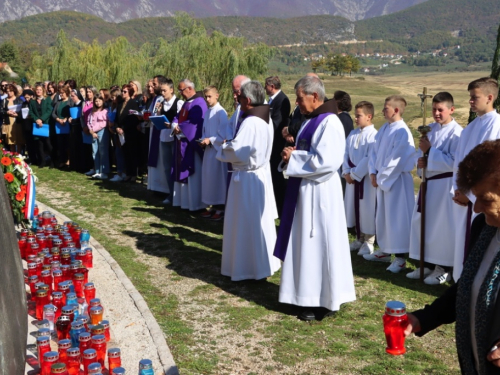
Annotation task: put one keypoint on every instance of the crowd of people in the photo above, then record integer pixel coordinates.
(307, 166)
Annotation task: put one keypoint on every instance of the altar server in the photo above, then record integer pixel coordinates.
(360, 195)
(391, 162)
(440, 144)
(485, 127)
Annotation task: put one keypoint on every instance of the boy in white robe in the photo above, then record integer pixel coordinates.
(439, 146)
(249, 228)
(485, 127)
(360, 196)
(391, 163)
(213, 172)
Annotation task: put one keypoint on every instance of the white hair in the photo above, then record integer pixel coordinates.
(188, 83)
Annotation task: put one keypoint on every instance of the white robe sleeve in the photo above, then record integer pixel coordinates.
(372, 156)
(400, 159)
(443, 160)
(361, 169)
(222, 125)
(240, 149)
(346, 169)
(325, 156)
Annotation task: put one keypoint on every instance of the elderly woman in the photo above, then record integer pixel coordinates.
(473, 302)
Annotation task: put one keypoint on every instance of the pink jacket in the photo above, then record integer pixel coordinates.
(97, 120)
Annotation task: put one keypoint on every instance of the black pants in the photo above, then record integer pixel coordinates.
(131, 149)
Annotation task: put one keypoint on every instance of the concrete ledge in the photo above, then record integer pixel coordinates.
(165, 356)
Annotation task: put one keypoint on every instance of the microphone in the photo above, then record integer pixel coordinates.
(159, 100)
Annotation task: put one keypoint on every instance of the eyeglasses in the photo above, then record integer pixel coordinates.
(181, 90)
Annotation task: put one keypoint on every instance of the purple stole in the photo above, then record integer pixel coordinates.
(190, 121)
(359, 190)
(292, 190)
(154, 147)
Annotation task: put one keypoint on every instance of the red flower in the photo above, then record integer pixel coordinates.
(20, 196)
(6, 161)
(23, 188)
(9, 177)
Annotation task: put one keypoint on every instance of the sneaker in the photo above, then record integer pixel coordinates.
(378, 256)
(102, 176)
(90, 173)
(166, 201)
(438, 276)
(365, 249)
(356, 245)
(207, 214)
(218, 216)
(397, 265)
(117, 178)
(97, 175)
(415, 274)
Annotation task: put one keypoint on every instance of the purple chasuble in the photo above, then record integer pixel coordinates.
(190, 122)
(292, 190)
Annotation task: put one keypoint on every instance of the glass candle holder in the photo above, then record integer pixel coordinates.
(49, 313)
(85, 319)
(78, 281)
(89, 291)
(118, 371)
(32, 269)
(77, 328)
(62, 348)
(96, 313)
(85, 341)
(89, 356)
(66, 258)
(74, 361)
(58, 369)
(105, 324)
(33, 280)
(395, 322)
(43, 346)
(114, 358)
(49, 359)
(146, 367)
(47, 278)
(95, 368)
(63, 326)
(41, 300)
(97, 329)
(89, 258)
(99, 345)
(22, 246)
(58, 302)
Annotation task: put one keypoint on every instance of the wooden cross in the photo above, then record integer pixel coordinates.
(423, 97)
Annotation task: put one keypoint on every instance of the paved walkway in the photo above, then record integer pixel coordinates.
(133, 328)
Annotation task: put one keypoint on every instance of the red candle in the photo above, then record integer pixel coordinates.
(58, 300)
(73, 361)
(62, 347)
(43, 346)
(78, 281)
(395, 322)
(99, 345)
(41, 300)
(89, 291)
(49, 359)
(56, 254)
(65, 271)
(84, 340)
(24, 233)
(89, 258)
(58, 369)
(32, 269)
(89, 356)
(105, 324)
(114, 358)
(69, 311)
(33, 280)
(22, 246)
(97, 329)
(47, 278)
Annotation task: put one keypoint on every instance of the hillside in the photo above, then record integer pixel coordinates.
(123, 10)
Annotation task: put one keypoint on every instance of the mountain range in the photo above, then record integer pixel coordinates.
(123, 10)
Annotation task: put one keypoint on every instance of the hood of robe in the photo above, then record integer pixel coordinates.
(329, 106)
(262, 111)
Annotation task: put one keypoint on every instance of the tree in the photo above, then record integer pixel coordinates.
(495, 66)
(9, 53)
(317, 64)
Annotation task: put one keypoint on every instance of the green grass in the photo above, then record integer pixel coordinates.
(124, 216)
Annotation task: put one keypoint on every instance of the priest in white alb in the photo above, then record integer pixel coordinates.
(312, 240)
(249, 228)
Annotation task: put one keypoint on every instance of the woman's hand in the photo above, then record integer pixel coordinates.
(494, 355)
(94, 135)
(413, 325)
(119, 131)
(39, 123)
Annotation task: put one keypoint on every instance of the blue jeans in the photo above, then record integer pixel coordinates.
(100, 151)
(167, 150)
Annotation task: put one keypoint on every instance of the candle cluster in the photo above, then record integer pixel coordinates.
(58, 261)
